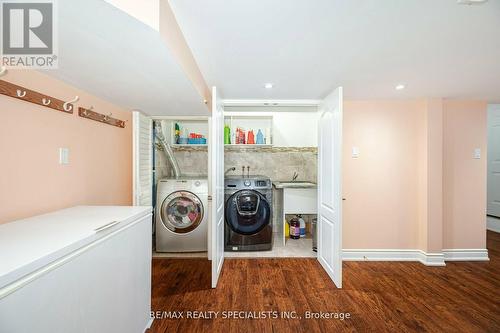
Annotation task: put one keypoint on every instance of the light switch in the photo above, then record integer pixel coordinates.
(63, 155)
(477, 153)
(355, 152)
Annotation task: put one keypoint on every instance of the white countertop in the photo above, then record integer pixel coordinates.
(294, 184)
(29, 244)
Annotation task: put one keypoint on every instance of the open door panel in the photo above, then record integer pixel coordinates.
(329, 186)
(216, 143)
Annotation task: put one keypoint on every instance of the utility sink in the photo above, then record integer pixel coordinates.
(294, 184)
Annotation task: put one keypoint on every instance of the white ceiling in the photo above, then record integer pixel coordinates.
(306, 48)
(110, 54)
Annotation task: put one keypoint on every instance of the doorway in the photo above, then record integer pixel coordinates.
(327, 207)
(493, 206)
(328, 122)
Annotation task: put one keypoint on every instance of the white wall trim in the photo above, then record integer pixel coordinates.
(428, 259)
(135, 156)
(466, 255)
(493, 224)
(275, 102)
(431, 259)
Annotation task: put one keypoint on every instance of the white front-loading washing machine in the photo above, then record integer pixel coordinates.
(182, 215)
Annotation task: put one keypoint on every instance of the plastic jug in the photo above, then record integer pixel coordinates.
(251, 138)
(227, 135)
(260, 137)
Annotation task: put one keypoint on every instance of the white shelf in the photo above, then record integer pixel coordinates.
(199, 126)
(247, 145)
(189, 145)
(249, 122)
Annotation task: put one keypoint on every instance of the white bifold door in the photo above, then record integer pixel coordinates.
(142, 134)
(216, 147)
(329, 186)
(494, 160)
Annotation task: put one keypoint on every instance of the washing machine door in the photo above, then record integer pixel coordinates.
(247, 212)
(181, 212)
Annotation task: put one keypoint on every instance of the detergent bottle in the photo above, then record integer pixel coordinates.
(260, 137)
(251, 138)
(294, 228)
(302, 226)
(227, 135)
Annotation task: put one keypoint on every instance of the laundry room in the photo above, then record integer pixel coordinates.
(286, 162)
(249, 166)
(271, 145)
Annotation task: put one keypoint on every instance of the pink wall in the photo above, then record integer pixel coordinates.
(173, 37)
(464, 178)
(415, 184)
(430, 191)
(31, 179)
(381, 186)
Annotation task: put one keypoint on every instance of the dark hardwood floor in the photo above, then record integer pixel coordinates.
(379, 296)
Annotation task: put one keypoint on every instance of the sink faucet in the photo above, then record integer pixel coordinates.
(295, 176)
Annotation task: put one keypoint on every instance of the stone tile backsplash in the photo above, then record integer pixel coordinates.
(279, 163)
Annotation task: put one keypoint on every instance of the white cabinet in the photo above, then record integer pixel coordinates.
(300, 200)
(80, 273)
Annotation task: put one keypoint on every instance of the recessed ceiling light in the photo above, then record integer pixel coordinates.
(268, 85)
(400, 87)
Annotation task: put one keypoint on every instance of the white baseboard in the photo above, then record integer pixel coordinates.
(432, 259)
(148, 325)
(428, 259)
(466, 255)
(493, 224)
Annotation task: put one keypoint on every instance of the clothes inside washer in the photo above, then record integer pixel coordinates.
(183, 212)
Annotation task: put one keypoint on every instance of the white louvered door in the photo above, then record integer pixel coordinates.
(143, 160)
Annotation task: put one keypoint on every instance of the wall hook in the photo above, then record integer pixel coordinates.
(3, 70)
(67, 105)
(86, 111)
(46, 101)
(106, 117)
(20, 93)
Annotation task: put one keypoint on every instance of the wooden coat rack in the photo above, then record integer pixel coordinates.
(92, 115)
(28, 95)
(13, 90)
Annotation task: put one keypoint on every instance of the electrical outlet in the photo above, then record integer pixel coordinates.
(64, 156)
(477, 153)
(355, 152)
